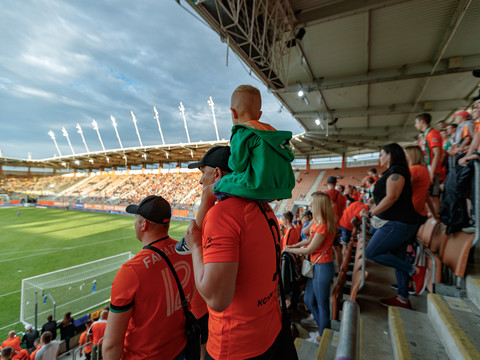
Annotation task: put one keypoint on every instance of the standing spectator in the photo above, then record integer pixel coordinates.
(67, 330)
(319, 247)
(339, 203)
(49, 350)
(87, 349)
(432, 147)
(95, 335)
(50, 325)
(147, 320)
(291, 235)
(233, 262)
(396, 222)
(464, 132)
(13, 341)
(29, 338)
(307, 221)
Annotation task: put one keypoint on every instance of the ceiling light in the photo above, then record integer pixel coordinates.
(77, 162)
(300, 93)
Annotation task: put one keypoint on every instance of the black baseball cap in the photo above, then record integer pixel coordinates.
(217, 156)
(153, 208)
(331, 180)
(476, 73)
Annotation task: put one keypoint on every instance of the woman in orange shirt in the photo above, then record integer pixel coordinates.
(319, 247)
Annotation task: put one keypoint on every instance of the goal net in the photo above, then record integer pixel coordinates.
(76, 289)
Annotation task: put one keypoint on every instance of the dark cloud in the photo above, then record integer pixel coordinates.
(64, 63)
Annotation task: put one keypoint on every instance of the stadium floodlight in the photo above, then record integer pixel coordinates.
(136, 127)
(65, 133)
(116, 131)
(144, 156)
(95, 127)
(158, 123)
(182, 111)
(52, 135)
(210, 102)
(79, 130)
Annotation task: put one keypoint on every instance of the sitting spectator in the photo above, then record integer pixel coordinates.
(29, 338)
(9, 354)
(67, 330)
(13, 341)
(51, 326)
(37, 345)
(351, 218)
(49, 350)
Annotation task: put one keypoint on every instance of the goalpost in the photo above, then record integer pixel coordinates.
(76, 289)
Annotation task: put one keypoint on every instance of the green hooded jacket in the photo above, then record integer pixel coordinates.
(260, 160)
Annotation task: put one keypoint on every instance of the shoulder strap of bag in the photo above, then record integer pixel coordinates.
(172, 269)
(274, 229)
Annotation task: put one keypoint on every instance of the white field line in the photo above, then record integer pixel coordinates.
(13, 292)
(15, 323)
(66, 248)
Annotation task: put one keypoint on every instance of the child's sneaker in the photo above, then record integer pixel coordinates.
(182, 248)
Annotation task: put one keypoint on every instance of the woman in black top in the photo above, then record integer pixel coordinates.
(67, 329)
(396, 222)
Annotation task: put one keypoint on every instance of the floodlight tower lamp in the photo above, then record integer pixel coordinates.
(136, 128)
(182, 111)
(95, 127)
(79, 130)
(158, 123)
(116, 131)
(212, 106)
(52, 135)
(65, 133)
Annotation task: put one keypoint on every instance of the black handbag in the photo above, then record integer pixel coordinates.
(192, 350)
(285, 349)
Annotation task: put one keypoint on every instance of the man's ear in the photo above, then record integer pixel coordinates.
(217, 172)
(259, 115)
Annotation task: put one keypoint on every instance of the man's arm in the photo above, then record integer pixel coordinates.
(114, 336)
(214, 281)
(435, 161)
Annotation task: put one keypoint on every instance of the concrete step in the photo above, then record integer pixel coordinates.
(457, 324)
(473, 289)
(326, 350)
(413, 336)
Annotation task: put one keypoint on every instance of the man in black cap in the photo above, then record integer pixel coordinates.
(234, 254)
(146, 319)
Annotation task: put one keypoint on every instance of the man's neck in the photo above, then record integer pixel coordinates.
(147, 240)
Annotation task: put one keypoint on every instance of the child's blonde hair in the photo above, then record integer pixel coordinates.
(322, 211)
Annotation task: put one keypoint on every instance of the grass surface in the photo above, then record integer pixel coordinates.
(39, 241)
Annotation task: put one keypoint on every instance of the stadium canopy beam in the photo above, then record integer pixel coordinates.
(405, 72)
(316, 144)
(394, 109)
(259, 32)
(338, 10)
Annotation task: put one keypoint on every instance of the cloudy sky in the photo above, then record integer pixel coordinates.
(63, 63)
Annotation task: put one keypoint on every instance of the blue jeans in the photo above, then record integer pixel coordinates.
(346, 235)
(388, 246)
(317, 294)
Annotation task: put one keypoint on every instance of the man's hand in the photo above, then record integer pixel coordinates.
(193, 235)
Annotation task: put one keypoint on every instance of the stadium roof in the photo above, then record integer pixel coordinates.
(121, 157)
(366, 67)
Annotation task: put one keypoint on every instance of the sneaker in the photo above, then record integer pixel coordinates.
(182, 248)
(396, 301)
(411, 290)
(313, 340)
(313, 334)
(420, 280)
(309, 322)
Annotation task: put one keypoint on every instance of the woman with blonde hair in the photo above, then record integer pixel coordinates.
(420, 179)
(319, 247)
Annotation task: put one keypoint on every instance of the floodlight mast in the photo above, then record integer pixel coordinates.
(182, 111)
(210, 102)
(52, 135)
(95, 127)
(136, 127)
(158, 123)
(65, 133)
(116, 131)
(79, 130)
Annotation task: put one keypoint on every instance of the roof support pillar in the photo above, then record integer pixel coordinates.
(344, 161)
(308, 164)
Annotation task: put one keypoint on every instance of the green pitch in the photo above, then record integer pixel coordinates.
(39, 241)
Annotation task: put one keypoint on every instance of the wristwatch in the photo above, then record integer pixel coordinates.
(369, 214)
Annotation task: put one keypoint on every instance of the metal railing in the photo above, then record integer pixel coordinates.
(364, 236)
(349, 336)
(476, 201)
(75, 354)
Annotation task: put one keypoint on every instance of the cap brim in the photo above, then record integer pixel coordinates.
(132, 209)
(195, 165)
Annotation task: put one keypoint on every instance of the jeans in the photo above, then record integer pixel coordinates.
(317, 294)
(346, 235)
(388, 247)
